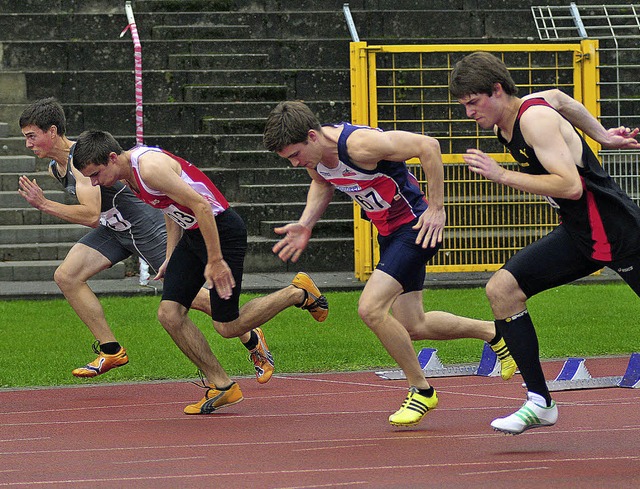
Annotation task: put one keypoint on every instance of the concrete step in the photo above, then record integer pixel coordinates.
(249, 159)
(325, 228)
(274, 176)
(14, 199)
(168, 118)
(9, 180)
(4, 129)
(194, 147)
(420, 23)
(217, 61)
(304, 53)
(227, 142)
(163, 7)
(62, 25)
(47, 6)
(17, 163)
(26, 216)
(163, 85)
(107, 55)
(201, 31)
(229, 180)
(20, 271)
(321, 255)
(240, 125)
(234, 93)
(307, 5)
(29, 252)
(43, 233)
(254, 214)
(284, 192)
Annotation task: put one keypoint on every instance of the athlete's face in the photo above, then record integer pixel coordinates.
(479, 106)
(104, 175)
(39, 141)
(306, 154)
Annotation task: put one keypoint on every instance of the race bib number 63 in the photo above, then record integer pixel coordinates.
(184, 219)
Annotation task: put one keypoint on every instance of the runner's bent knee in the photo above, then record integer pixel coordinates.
(503, 289)
(171, 314)
(225, 330)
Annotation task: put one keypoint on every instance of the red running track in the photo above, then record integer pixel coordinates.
(317, 431)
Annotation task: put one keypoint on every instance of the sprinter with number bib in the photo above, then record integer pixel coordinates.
(207, 242)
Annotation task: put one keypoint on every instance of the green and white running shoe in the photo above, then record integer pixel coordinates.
(530, 415)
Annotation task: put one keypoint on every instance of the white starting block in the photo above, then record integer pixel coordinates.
(575, 375)
(432, 366)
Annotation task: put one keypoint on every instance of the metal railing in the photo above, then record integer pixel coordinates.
(406, 87)
(617, 29)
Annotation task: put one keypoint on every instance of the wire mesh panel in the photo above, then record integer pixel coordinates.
(624, 167)
(486, 222)
(407, 89)
(412, 91)
(576, 22)
(617, 29)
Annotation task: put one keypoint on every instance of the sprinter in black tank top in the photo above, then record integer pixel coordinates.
(600, 224)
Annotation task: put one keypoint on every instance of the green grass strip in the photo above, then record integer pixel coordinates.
(42, 341)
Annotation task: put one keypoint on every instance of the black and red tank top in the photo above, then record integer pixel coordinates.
(605, 222)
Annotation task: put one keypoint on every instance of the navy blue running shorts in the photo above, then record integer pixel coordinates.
(403, 259)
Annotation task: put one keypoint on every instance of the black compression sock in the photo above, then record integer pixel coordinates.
(304, 301)
(253, 341)
(496, 338)
(110, 348)
(521, 339)
(426, 392)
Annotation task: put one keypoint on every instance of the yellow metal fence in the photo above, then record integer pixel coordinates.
(405, 87)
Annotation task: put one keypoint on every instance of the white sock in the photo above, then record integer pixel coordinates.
(537, 399)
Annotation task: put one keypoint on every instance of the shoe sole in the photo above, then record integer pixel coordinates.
(526, 428)
(318, 313)
(218, 408)
(263, 379)
(413, 423)
(91, 374)
(505, 375)
(394, 423)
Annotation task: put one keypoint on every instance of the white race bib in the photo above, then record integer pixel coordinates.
(114, 220)
(184, 219)
(370, 200)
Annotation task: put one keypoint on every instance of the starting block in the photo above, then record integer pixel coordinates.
(575, 375)
(631, 377)
(432, 366)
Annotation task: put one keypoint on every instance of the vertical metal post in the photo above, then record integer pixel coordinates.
(350, 24)
(362, 229)
(578, 20)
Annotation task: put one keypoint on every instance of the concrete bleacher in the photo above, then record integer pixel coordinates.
(213, 69)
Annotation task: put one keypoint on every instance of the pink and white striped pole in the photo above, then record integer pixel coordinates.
(137, 57)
